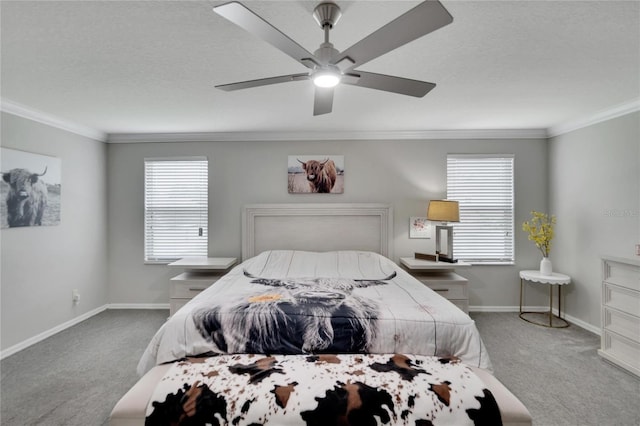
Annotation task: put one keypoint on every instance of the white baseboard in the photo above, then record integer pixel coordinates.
(573, 320)
(494, 308)
(138, 306)
(57, 329)
(582, 324)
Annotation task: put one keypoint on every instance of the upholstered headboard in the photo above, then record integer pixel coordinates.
(317, 227)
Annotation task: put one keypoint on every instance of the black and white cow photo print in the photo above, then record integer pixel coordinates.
(30, 189)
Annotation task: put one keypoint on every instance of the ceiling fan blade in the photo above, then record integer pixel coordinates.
(389, 83)
(249, 21)
(323, 100)
(426, 17)
(262, 82)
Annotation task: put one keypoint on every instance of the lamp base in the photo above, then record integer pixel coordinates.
(444, 249)
(446, 259)
(425, 256)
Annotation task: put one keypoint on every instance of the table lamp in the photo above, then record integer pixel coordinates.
(444, 211)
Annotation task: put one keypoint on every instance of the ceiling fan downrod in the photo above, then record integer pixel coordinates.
(326, 15)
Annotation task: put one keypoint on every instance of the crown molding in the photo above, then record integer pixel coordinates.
(327, 135)
(14, 108)
(604, 115)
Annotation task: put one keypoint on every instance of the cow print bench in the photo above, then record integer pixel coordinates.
(134, 405)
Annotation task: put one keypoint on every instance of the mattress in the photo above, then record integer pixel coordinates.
(294, 302)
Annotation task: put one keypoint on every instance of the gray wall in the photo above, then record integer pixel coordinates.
(595, 193)
(405, 174)
(590, 177)
(41, 265)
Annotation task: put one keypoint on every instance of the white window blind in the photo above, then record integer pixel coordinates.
(483, 185)
(175, 208)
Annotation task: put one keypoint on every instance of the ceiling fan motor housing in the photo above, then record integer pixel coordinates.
(325, 53)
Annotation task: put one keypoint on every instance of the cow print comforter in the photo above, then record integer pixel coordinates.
(322, 390)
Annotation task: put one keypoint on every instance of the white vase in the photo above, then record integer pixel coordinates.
(546, 268)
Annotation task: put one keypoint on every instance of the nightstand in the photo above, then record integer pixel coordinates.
(441, 278)
(199, 273)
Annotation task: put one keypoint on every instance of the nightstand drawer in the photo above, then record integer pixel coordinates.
(188, 284)
(439, 277)
(463, 304)
(187, 290)
(200, 272)
(447, 284)
(448, 291)
(175, 304)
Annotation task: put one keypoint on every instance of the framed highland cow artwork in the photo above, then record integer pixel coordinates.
(322, 174)
(30, 189)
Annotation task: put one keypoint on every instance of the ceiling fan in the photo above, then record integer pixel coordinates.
(329, 66)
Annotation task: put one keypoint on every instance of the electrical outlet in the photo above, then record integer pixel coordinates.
(75, 296)
(637, 249)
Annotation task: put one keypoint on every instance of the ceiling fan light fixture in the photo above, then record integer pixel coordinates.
(326, 78)
(330, 67)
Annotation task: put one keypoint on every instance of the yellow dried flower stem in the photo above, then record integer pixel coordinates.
(540, 229)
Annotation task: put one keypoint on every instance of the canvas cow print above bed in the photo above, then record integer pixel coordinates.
(321, 390)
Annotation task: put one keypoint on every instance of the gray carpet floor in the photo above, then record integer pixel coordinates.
(558, 374)
(77, 376)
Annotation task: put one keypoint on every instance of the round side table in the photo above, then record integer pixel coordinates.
(551, 280)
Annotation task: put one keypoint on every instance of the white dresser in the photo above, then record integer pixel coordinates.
(441, 278)
(621, 312)
(199, 273)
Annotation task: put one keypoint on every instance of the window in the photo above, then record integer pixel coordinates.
(175, 208)
(483, 184)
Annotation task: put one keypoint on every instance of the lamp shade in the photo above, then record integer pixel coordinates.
(443, 211)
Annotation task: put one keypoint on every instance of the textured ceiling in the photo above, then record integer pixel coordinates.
(151, 66)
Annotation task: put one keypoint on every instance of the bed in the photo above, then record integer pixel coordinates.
(318, 326)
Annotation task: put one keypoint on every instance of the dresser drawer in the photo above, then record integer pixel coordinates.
(621, 312)
(621, 299)
(621, 274)
(621, 349)
(624, 324)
